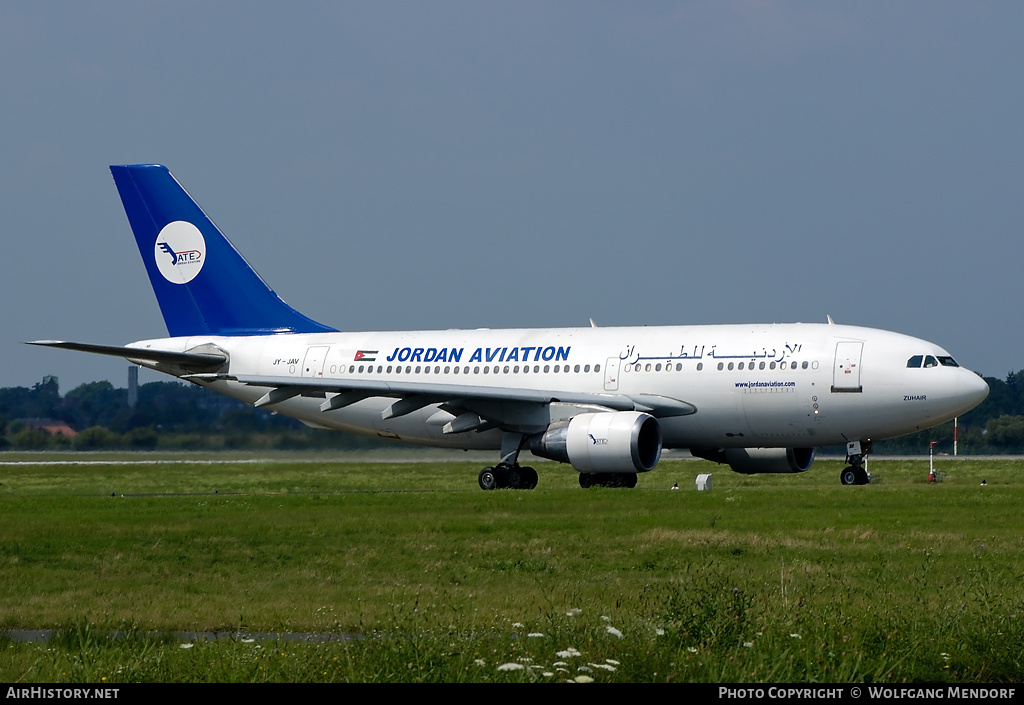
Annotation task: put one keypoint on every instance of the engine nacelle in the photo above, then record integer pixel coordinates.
(621, 442)
(752, 461)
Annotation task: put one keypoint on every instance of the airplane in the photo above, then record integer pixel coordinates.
(607, 401)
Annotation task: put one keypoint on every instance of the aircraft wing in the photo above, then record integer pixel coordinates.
(496, 406)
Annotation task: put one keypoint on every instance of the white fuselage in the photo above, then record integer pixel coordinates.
(779, 385)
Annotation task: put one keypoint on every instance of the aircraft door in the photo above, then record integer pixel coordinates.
(611, 374)
(846, 372)
(313, 365)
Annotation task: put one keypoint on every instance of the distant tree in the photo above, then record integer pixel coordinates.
(141, 438)
(1006, 431)
(95, 403)
(96, 438)
(30, 439)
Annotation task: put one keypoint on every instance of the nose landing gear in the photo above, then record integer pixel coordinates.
(855, 473)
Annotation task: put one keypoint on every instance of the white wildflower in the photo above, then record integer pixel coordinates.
(568, 653)
(691, 649)
(795, 636)
(547, 674)
(480, 662)
(574, 612)
(187, 646)
(747, 644)
(511, 667)
(613, 631)
(659, 631)
(517, 625)
(604, 667)
(611, 661)
(535, 635)
(583, 679)
(606, 619)
(585, 669)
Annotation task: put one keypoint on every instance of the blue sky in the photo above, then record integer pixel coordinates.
(408, 165)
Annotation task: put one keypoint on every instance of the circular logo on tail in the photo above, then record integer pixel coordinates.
(180, 252)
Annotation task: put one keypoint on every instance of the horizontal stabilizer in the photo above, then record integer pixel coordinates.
(204, 360)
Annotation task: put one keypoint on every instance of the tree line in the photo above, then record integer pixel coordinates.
(167, 415)
(171, 415)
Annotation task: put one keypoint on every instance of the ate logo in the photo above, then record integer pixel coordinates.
(180, 252)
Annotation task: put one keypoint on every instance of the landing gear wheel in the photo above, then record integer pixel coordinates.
(587, 480)
(487, 479)
(854, 475)
(529, 477)
(514, 478)
(629, 480)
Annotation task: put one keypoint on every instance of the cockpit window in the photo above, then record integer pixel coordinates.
(915, 361)
(930, 361)
(948, 362)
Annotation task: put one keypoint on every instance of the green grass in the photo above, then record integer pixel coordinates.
(765, 578)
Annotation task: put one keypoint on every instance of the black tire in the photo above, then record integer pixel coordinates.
(514, 479)
(862, 476)
(487, 479)
(587, 480)
(629, 480)
(849, 476)
(529, 478)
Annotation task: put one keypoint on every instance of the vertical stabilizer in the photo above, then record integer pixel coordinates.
(202, 284)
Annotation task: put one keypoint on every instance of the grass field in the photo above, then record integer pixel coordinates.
(408, 572)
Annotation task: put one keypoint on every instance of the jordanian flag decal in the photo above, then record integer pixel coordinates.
(366, 355)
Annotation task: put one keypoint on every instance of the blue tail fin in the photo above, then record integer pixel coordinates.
(202, 284)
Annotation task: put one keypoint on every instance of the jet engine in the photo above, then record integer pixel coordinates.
(751, 461)
(606, 442)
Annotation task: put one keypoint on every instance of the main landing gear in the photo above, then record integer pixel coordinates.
(855, 474)
(513, 477)
(509, 473)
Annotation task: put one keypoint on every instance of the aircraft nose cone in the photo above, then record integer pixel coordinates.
(972, 390)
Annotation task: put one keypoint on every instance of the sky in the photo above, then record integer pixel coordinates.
(408, 165)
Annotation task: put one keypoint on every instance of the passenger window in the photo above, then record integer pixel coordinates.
(915, 361)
